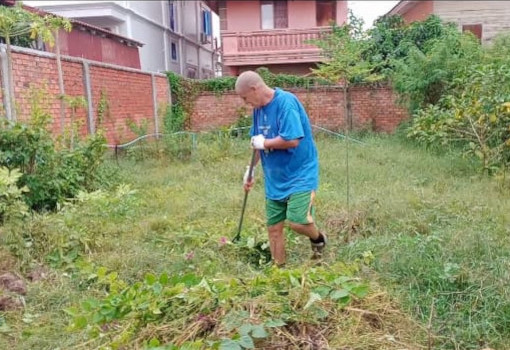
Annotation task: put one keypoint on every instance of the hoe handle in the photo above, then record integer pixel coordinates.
(252, 164)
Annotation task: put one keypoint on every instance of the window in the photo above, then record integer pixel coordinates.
(191, 72)
(206, 29)
(173, 15)
(173, 47)
(274, 14)
(325, 12)
(267, 13)
(476, 29)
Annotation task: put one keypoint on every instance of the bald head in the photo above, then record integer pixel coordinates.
(253, 90)
(248, 80)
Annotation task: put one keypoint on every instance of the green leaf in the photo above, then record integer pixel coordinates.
(275, 323)
(344, 301)
(294, 282)
(80, 322)
(258, 331)
(246, 342)
(360, 291)
(339, 293)
(229, 344)
(154, 342)
(323, 291)
(4, 328)
(245, 329)
(150, 279)
(101, 272)
(342, 279)
(163, 279)
(71, 311)
(313, 298)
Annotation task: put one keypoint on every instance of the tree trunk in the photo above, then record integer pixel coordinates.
(60, 81)
(349, 108)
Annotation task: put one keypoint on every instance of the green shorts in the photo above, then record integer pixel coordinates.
(298, 208)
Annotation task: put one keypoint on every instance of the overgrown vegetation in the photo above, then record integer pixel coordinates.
(51, 171)
(419, 260)
(16, 22)
(149, 263)
(455, 89)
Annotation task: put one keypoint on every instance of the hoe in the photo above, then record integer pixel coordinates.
(252, 164)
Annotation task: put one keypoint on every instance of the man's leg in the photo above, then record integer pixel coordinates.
(277, 243)
(309, 230)
(275, 213)
(300, 213)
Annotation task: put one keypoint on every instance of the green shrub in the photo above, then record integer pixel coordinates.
(475, 114)
(11, 196)
(51, 175)
(424, 76)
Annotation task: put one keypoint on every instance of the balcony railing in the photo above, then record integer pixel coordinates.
(277, 46)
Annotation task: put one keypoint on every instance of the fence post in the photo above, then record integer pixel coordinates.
(88, 94)
(155, 104)
(6, 91)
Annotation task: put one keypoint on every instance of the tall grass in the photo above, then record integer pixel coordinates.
(438, 233)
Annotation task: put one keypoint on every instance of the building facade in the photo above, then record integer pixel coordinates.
(275, 34)
(485, 19)
(176, 35)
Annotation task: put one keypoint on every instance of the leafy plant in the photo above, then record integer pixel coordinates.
(343, 49)
(15, 21)
(11, 196)
(103, 108)
(51, 175)
(423, 77)
(476, 117)
(302, 296)
(74, 103)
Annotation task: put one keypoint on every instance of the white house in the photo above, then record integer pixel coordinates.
(177, 35)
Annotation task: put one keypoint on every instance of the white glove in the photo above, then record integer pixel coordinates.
(257, 142)
(247, 174)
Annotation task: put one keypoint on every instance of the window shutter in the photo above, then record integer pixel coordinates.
(281, 18)
(476, 29)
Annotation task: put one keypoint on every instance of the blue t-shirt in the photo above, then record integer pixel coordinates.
(294, 169)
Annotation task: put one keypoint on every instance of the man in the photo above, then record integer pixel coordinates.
(282, 134)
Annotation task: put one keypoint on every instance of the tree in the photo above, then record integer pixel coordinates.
(475, 114)
(15, 22)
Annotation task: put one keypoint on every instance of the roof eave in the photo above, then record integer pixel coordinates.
(402, 7)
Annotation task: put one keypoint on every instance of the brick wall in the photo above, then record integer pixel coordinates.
(129, 92)
(372, 108)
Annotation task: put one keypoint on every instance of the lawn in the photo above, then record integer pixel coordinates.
(418, 260)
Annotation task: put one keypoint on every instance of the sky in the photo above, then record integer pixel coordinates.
(370, 10)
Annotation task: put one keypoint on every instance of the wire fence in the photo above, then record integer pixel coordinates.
(239, 132)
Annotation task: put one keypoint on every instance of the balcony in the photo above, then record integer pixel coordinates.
(274, 46)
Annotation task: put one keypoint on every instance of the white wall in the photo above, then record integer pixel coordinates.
(148, 23)
(152, 54)
(148, 9)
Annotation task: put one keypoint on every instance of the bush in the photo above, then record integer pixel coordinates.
(476, 116)
(51, 175)
(424, 76)
(11, 196)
